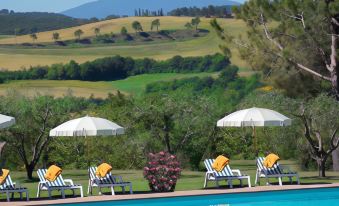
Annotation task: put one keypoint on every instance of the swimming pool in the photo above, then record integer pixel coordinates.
(309, 197)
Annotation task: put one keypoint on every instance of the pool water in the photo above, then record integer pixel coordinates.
(309, 197)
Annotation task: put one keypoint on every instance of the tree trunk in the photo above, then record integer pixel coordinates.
(322, 172)
(335, 83)
(335, 159)
(29, 171)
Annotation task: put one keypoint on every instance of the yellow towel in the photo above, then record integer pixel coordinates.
(270, 160)
(52, 173)
(220, 163)
(103, 170)
(4, 175)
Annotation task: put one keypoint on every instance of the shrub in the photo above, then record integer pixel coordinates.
(162, 171)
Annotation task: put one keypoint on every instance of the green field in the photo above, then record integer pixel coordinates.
(5, 36)
(13, 58)
(131, 85)
(190, 180)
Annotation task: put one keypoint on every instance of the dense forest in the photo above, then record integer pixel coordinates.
(117, 67)
(20, 23)
(210, 11)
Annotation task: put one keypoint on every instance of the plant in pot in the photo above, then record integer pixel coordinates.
(162, 172)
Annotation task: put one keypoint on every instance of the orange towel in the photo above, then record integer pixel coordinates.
(220, 163)
(270, 160)
(4, 175)
(103, 170)
(53, 172)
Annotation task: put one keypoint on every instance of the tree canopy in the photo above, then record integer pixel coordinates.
(290, 41)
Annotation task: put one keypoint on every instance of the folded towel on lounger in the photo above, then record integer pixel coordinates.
(52, 173)
(270, 160)
(220, 163)
(103, 170)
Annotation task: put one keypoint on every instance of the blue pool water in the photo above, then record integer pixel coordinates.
(306, 197)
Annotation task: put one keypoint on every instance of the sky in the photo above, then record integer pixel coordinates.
(40, 5)
(44, 5)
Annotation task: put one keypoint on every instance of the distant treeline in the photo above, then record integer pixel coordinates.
(117, 67)
(21, 23)
(148, 12)
(215, 11)
(197, 84)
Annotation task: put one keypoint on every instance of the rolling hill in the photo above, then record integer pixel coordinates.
(14, 58)
(103, 8)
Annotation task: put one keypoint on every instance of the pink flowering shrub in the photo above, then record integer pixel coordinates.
(162, 171)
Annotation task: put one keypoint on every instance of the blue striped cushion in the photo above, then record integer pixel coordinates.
(8, 184)
(109, 179)
(275, 170)
(226, 172)
(59, 182)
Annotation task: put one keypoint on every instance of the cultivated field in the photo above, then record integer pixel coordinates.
(14, 58)
(132, 85)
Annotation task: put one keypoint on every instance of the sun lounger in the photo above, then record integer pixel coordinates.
(9, 187)
(59, 184)
(226, 174)
(277, 171)
(109, 181)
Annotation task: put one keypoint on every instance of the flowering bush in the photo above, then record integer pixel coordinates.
(162, 171)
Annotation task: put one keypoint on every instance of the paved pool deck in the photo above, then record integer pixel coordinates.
(170, 194)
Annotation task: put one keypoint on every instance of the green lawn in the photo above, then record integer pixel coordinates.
(137, 84)
(58, 88)
(190, 180)
(5, 36)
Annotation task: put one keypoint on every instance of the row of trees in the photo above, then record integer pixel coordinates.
(117, 67)
(147, 12)
(136, 25)
(210, 11)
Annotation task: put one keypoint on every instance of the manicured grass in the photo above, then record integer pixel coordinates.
(137, 84)
(15, 58)
(131, 85)
(190, 180)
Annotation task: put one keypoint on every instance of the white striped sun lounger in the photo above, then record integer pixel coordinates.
(109, 181)
(226, 174)
(9, 187)
(277, 171)
(59, 184)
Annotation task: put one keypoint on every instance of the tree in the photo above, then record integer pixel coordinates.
(34, 37)
(155, 23)
(295, 40)
(97, 31)
(188, 26)
(321, 123)
(78, 33)
(137, 26)
(314, 128)
(35, 116)
(55, 36)
(123, 31)
(195, 22)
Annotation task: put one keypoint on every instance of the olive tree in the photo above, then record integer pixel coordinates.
(35, 117)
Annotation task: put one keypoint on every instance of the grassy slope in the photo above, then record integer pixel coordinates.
(16, 58)
(131, 85)
(189, 181)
